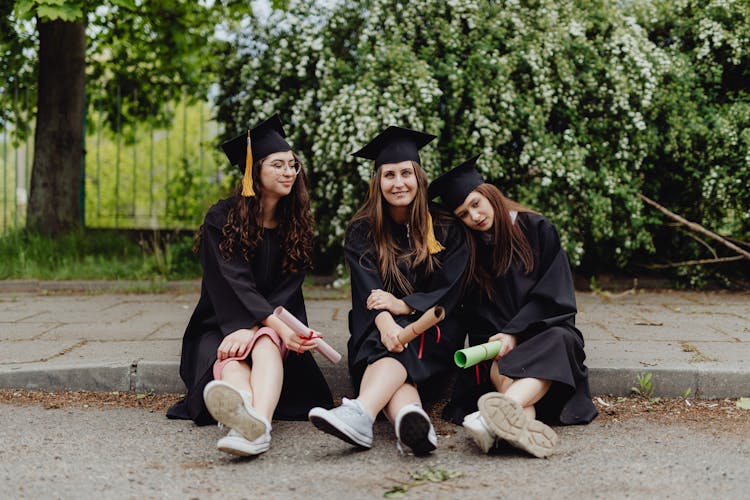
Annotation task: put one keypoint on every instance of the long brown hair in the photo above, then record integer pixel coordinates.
(509, 241)
(389, 253)
(244, 227)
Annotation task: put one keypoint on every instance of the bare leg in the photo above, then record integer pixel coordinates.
(267, 376)
(263, 381)
(524, 391)
(404, 395)
(381, 381)
(237, 374)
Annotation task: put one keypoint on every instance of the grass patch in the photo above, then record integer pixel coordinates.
(95, 255)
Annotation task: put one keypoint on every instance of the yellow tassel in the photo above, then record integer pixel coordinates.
(433, 245)
(247, 179)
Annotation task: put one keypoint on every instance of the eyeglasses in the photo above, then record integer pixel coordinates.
(281, 167)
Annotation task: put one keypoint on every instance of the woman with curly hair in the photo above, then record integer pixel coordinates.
(255, 248)
(405, 257)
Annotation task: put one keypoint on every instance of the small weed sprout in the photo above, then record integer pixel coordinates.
(645, 387)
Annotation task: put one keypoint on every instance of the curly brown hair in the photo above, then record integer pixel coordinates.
(244, 227)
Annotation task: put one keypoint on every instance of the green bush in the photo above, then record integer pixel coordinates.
(576, 106)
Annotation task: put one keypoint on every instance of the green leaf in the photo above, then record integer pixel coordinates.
(396, 492)
(743, 403)
(66, 12)
(125, 4)
(23, 9)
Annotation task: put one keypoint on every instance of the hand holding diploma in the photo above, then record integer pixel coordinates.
(430, 318)
(302, 330)
(470, 356)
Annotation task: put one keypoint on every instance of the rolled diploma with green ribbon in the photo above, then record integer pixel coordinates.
(476, 354)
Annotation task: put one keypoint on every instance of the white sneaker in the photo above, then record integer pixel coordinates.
(414, 429)
(349, 422)
(232, 408)
(479, 432)
(236, 444)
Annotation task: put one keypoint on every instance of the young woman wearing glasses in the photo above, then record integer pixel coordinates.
(254, 248)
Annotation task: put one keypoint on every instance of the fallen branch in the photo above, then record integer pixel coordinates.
(694, 262)
(696, 227)
(701, 241)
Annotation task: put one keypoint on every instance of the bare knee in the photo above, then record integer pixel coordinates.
(263, 347)
(233, 368)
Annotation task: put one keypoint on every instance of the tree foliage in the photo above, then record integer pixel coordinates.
(156, 53)
(576, 106)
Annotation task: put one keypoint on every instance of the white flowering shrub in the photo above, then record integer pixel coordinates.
(570, 103)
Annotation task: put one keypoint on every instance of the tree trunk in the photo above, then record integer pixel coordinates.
(55, 201)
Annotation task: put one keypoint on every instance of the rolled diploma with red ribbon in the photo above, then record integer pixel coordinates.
(303, 331)
(430, 318)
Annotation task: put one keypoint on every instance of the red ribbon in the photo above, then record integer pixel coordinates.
(421, 341)
(310, 336)
(476, 371)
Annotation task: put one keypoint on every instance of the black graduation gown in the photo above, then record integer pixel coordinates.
(239, 294)
(433, 371)
(539, 309)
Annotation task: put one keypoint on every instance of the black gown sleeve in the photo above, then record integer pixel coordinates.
(551, 300)
(365, 277)
(230, 284)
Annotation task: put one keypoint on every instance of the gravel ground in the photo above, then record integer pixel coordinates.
(119, 445)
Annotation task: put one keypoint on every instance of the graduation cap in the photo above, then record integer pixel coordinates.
(263, 139)
(456, 184)
(394, 145)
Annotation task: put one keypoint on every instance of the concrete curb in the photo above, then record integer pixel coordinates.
(163, 377)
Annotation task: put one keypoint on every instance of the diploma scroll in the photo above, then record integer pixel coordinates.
(302, 330)
(430, 318)
(470, 356)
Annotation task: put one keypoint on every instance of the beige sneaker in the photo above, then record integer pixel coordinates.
(507, 420)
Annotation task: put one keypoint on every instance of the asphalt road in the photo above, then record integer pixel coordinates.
(134, 453)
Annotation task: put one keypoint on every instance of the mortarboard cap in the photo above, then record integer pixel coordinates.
(265, 138)
(456, 184)
(394, 145)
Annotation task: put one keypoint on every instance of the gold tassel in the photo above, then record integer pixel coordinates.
(433, 245)
(247, 179)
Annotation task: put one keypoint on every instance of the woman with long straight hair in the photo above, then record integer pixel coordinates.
(405, 257)
(255, 248)
(521, 293)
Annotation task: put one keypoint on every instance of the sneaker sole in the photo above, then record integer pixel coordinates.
(326, 422)
(414, 432)
(508, 421)
(240, 450)
(227, 407)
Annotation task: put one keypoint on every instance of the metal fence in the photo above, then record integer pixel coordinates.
(138, 177)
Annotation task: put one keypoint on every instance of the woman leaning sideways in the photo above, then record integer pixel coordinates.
(521, 294)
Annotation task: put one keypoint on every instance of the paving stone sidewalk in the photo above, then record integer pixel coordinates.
(107, 340)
